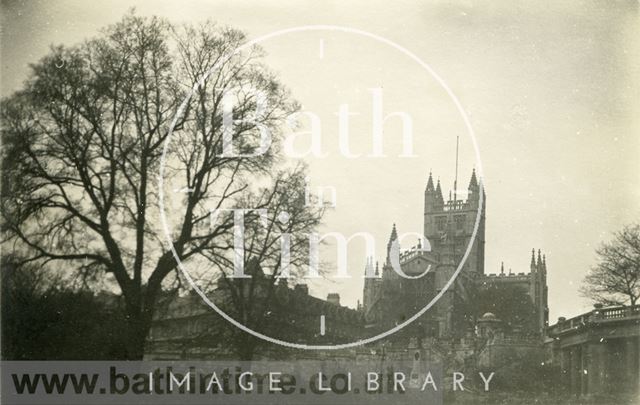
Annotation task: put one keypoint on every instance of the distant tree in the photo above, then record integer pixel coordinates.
(615, 279)
(82, 150)
(511, 304)
(43, 318)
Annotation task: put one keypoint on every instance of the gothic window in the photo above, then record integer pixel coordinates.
(459, 219)
(441, 223)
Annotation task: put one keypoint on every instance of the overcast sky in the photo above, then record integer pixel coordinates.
(552, 91)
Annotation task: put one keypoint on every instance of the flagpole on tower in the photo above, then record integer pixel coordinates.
(455, 181)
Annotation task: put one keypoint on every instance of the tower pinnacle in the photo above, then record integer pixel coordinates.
(439, 192)
(473, 183)
(394, 233)
(430, 183)
(533, 258)
(539, 258)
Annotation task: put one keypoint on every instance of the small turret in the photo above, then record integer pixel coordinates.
(368, 268)
(432, 197)
(393, 237)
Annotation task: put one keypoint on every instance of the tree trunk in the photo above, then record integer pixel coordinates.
(138, 329)
(245, 346)
(140, 308)
(139, 314)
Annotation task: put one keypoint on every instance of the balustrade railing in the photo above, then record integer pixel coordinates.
(595, 316)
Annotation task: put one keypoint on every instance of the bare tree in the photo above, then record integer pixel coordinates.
(260, 302)
(83, 143)
(615, 279)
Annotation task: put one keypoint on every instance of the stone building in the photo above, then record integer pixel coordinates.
(449, 226)
(186, 328)
(598, 352)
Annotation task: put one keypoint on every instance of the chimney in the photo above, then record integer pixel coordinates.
(333, 298)
(302, 288)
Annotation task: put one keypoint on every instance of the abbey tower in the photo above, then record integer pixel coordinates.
(448, 226)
